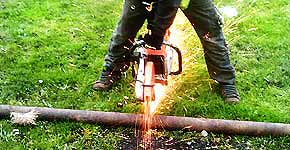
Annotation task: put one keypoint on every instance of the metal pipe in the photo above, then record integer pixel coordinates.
(158, 122)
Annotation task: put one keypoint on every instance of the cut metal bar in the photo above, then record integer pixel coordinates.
(159, 122)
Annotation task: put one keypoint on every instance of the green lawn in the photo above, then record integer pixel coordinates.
(52, 51)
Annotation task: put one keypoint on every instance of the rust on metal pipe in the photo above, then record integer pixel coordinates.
(158, 122)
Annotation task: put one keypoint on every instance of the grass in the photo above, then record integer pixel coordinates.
(52, 51)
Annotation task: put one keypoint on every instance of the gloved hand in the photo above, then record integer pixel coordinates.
(153, 40)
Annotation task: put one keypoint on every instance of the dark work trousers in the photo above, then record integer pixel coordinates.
(203, 16)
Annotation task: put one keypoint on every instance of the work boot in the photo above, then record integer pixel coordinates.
(109, 76)
(230, 93)
(106, 80)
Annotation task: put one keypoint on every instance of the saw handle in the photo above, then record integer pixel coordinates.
(179, 58)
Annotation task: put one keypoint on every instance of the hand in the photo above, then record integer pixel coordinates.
(154, 41)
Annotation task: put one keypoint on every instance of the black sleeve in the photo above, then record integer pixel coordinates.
(164, 12)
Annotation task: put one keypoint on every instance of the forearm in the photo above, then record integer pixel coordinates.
(164, 12)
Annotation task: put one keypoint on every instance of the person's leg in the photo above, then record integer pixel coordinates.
(133, 16)
(207, 23)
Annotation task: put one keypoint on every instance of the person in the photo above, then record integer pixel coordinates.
(159, 15)
(205, 19)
